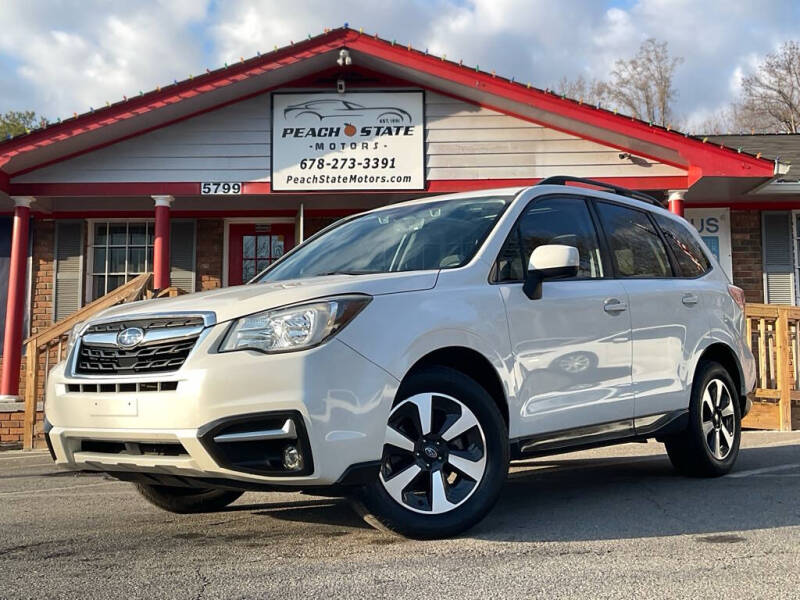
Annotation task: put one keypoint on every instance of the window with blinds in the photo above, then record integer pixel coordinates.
(182, 255)
(68, 268)
(778, 254)
(117, 252)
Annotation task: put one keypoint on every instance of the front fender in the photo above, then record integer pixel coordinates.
(396, 330)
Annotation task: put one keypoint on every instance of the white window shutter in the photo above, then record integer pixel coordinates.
(68, 268)
(182, 254)
(778, 262)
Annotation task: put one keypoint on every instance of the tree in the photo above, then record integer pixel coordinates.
(589, 91)
(18, 122)
(771, 94)
(642, 85)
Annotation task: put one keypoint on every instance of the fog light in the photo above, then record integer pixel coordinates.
(292, 459)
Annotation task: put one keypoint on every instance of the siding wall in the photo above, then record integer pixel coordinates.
(228, 144)
(465, 141)
(462, 141)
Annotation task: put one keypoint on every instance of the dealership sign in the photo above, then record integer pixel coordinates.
(351, 141)
(714, 226)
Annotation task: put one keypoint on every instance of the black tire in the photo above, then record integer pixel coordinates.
(380, 509)
(186, 500)
(693, 452)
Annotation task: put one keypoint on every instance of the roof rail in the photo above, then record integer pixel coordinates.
(633, 194)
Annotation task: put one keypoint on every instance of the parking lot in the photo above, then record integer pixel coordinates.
(608, 523)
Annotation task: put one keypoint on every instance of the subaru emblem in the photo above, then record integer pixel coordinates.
(130, 337)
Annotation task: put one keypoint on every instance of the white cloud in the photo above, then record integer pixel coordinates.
(60, 56)
(76, 59)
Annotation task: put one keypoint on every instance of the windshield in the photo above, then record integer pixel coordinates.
(440, 234)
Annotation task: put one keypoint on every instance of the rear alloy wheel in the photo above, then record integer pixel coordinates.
(719, 419)
(710, 444)
(444, 460)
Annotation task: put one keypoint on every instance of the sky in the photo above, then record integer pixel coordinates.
(63, 56)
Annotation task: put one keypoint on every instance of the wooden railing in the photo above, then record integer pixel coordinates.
(773, 333)
(49, 347)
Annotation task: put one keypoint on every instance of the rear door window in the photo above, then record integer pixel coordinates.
(635, 245)
(687, 251)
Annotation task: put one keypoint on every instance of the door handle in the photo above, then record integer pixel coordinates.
(689, 299)
(612, 305)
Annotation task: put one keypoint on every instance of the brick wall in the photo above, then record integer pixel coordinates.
(210, 234)
(746, 251)
(42, 276)
(10, 429)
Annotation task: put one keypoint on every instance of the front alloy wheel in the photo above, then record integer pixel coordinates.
(435, 454)
(445, 457)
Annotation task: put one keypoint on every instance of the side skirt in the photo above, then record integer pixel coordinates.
(638, 429)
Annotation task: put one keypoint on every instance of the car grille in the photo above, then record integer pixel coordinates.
(162, 355)
(146, 324)
(156, 358)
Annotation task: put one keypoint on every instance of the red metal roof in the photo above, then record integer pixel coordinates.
(701, 158)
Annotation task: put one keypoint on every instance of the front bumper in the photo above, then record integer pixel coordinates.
(340, 399)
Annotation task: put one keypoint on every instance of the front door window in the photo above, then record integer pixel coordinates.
(259, 251)
(253, 247)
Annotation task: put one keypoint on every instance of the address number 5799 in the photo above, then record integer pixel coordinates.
(224, 188)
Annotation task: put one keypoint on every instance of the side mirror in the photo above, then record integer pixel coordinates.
(551, 261)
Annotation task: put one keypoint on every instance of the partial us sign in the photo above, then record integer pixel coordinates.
(714, 225)
(352, 141)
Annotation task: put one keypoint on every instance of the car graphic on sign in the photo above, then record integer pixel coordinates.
(334, 108)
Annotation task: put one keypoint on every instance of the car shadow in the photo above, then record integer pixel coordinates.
(336, 512)
(643, 496)
(566, 498)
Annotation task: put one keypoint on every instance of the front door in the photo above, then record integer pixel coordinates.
(253, 247)
(571, 347)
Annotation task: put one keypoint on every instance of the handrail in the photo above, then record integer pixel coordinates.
(128, 292)
(40, 347)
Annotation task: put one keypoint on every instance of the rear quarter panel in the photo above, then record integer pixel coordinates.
(727, 326)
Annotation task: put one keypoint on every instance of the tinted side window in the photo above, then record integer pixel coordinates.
(692, 261)
(636, 248)
(560, 220)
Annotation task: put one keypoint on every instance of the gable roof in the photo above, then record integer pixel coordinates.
(213, 89)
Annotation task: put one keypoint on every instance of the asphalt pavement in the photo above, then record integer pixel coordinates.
(610, 523)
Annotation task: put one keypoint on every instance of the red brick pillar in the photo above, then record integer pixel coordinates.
(15, 305)
(161, 242)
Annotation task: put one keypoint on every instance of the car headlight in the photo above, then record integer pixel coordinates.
(74, 334)
(295, 327)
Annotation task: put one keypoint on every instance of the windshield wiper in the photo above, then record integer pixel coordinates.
(348, 272)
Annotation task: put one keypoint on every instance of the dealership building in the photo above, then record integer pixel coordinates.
(206, 181)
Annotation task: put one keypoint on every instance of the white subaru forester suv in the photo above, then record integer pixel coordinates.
(404, 355)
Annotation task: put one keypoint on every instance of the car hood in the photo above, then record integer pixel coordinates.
(230, 303)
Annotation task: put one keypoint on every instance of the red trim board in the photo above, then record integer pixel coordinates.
(261, 188)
